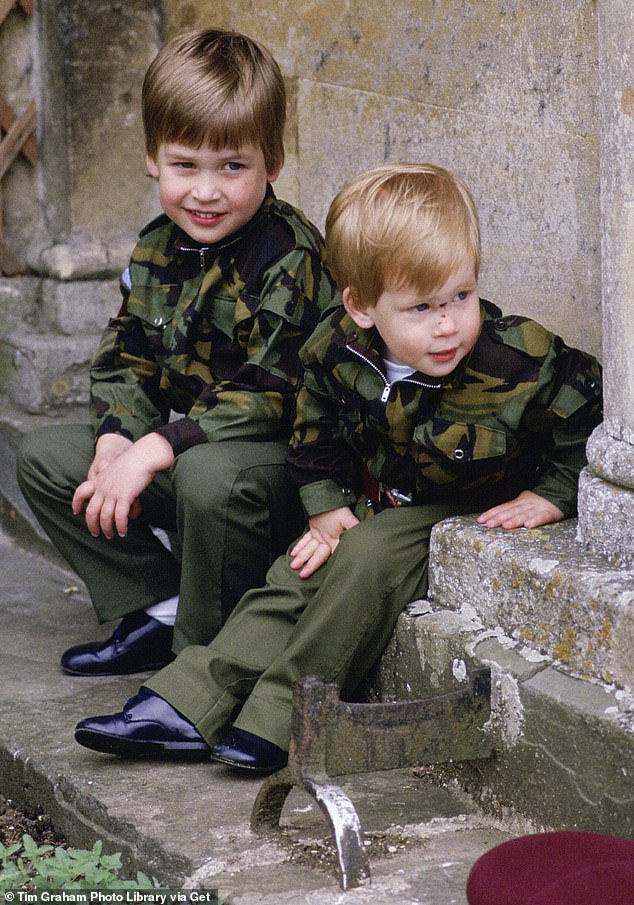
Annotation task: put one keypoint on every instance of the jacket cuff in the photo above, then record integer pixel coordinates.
(322, 496)
(182, 434)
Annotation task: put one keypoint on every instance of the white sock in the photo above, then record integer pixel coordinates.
(164, 611)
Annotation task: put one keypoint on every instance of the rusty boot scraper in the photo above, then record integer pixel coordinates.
(330, 737)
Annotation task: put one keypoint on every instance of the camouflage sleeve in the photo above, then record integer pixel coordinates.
(125, 394)
(572, 405)
(257, 402)
(319, 459)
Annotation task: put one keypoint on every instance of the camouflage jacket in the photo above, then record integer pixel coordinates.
(212, 332)
(515, 414)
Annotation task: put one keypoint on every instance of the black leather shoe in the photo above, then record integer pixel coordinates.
(247, 751)
(138, 644)
(147, 727)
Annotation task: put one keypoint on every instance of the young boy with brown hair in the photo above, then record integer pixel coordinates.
(419, 401)
(221, 292)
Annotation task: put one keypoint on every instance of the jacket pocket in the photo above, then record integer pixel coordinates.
(154, 305)
(570, 399)
(460, 442)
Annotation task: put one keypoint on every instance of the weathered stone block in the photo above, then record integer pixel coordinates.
(82, 260)
(74, 262)
(109, 197)
(79, 306)
(427, 655)
(18, 302)
(572, 761)
(40, 373)
(500, 61)
(540, 587)
(564, 748)
(610, 458)
(606, 516)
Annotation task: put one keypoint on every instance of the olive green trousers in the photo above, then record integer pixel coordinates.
(333, 625)
(231, 505)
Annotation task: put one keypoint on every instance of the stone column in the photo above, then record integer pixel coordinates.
(606, 492)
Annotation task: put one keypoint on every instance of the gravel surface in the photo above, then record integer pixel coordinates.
(14, 823)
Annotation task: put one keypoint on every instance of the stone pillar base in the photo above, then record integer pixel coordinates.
(606, 498)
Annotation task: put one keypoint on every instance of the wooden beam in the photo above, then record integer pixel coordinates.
(7, 118)
(9, 267)
(19, 138)
(7, 5)
(19, 132)
(5, 8)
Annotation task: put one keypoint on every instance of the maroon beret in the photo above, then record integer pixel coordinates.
(560, 868)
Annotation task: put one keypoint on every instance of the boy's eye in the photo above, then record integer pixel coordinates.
(184, 164)
(422, 307)
(233, 166)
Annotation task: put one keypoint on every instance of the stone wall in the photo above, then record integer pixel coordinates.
(503, 92)
(101, 51)
(84, 63)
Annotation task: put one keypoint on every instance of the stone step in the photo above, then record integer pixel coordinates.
(51, 330)
(188, 824)
(543, 588)
(563, 745)
(42, 374)
(46, 306)
(556, 624)
(15, 515)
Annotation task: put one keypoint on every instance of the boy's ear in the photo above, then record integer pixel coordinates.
(272, 176)
(360, 313)
(150, 165)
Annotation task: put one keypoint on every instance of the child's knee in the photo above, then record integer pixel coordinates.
(29, 454)
(363, 542)
(58, 454)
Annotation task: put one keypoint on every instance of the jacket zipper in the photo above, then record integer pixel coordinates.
(199, 251)
(385, 395)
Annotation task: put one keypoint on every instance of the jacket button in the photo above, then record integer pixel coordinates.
(458, 454)
(501, 324)
(589, 383)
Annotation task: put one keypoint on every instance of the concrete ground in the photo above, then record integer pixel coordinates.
(188, 824)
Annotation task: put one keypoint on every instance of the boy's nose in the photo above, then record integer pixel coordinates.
(445, 323)
(205, 188)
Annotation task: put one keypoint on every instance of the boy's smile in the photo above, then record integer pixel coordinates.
(210, 194)
(429, 333)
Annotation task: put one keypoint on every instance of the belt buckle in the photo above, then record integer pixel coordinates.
(396, 497)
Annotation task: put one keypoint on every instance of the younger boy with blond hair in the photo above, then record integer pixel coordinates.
(221, 292)
(419, 401)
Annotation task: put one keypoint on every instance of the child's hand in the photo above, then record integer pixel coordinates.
(111, 495)
(107, 448)
(528, 510)
(316, 547)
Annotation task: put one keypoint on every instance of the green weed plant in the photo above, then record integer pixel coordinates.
(29, 866)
